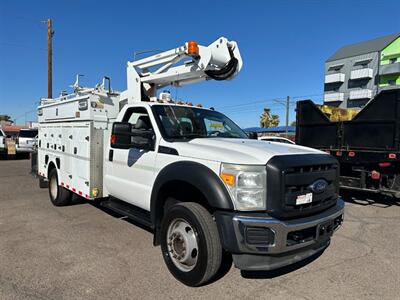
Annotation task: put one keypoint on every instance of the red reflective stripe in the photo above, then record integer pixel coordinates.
(87, 196)
(80, 193)
(67, 186)
(62, 183)
(74, 190)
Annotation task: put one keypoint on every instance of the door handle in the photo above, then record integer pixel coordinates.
(111, 155)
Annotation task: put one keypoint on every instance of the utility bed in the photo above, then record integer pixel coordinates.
(71, 134)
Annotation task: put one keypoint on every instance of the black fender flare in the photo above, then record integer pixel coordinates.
(196, 174)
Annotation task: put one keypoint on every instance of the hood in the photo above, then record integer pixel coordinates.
(237, 151)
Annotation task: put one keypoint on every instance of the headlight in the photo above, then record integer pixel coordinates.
(246, 184)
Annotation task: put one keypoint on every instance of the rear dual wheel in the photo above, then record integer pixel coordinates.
(59, 196)
(190, 243)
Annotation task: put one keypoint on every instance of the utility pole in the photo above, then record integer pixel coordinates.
(287, 115)
(287, 106)
(50, 33)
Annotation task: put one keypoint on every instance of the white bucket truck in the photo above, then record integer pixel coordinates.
(208, 192)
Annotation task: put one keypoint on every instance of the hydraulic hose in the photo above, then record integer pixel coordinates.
(227, 71)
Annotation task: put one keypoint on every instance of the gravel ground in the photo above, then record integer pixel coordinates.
(83, 252)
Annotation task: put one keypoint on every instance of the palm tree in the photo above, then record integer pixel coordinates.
(265, 118)
(274, 121)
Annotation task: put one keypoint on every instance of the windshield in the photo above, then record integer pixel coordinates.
(181, 122)
(28, 133)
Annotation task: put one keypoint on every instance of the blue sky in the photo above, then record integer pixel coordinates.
(283, 44)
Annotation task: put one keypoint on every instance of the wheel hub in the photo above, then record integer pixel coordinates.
(53, 187)
(182, 245)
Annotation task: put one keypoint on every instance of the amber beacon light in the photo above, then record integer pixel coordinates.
(192, 48)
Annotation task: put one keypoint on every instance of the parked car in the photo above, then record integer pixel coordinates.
(26, 140)
(276, 139)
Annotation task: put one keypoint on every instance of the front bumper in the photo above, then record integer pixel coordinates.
(260, 242)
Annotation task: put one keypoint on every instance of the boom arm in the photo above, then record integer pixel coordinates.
(220, 60)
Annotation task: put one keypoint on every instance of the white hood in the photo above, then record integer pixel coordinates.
(237, 151)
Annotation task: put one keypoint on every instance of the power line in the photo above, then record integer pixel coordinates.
(21, 46)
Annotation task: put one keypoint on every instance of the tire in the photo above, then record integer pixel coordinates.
(59, 196)
(190, 243)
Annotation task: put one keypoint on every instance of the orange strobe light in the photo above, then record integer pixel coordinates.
(192, 48)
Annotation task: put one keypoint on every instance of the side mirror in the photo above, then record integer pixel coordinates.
(124, 136)
(252, 135)
(121, 135)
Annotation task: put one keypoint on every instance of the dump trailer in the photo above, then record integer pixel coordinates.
(367, 146)
(207, 191)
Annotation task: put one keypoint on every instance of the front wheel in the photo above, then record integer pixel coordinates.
(59, 196)
(190, 243)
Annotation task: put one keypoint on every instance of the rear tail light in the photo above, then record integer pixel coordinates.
(352, 154)
(338, 153)
(392, 155)
(375, 175)
(384, 164)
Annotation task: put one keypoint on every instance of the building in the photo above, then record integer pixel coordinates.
(356, 73)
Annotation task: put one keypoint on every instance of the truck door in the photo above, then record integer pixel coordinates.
(130, 172)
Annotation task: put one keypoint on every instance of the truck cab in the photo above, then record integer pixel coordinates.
(209, 193)
(272, 204)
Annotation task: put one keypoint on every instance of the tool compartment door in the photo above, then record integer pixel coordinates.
(80, 162)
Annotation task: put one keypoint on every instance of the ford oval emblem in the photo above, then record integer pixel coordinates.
(319, 186)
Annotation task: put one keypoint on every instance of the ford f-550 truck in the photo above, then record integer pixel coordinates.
(188, 172)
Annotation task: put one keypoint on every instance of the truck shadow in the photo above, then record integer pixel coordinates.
(281, 271)
(226, 257)
(21, 156)
(369, 199)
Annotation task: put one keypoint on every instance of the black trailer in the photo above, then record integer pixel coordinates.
(367, 147)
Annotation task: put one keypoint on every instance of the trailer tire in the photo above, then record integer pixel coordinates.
(59, 196)
(190, 243)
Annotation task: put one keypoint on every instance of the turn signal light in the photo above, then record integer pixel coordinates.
(192, 48)
(95, 192)
(229, 179)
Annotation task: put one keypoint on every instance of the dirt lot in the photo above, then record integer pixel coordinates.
(83, 252)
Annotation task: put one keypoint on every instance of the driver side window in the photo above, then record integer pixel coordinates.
(139, 118)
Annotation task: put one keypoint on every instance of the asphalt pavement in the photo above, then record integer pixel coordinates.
(84, 252)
